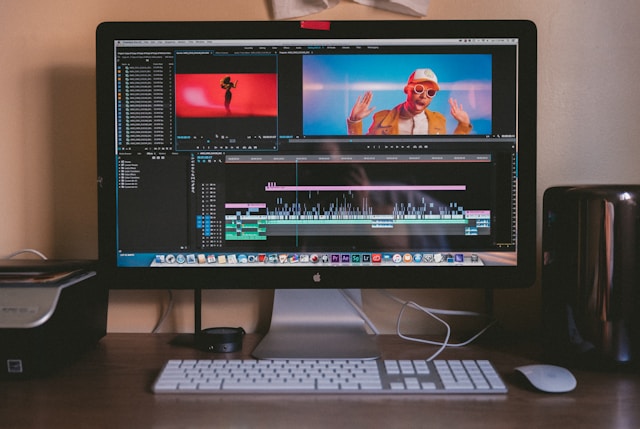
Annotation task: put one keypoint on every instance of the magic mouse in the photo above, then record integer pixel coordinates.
(548, 378)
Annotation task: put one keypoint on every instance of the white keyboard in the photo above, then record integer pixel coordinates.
(329, 376)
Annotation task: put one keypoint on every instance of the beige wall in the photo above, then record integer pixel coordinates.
(588, 122)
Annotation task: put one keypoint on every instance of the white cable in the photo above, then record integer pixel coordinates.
(443, 345)
(165, 314)
(19, 252)
(432, 312)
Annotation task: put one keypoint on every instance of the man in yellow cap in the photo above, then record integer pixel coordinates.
(411, 116)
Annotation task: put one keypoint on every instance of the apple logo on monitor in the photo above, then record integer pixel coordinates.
(316, 277)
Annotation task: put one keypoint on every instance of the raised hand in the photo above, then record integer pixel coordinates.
(458, 112)
(361, 108)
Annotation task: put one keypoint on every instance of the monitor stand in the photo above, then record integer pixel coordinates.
(316, 324)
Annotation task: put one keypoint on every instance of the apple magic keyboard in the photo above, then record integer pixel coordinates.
(329, 376)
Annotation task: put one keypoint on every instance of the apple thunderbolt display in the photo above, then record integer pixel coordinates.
(317, 159)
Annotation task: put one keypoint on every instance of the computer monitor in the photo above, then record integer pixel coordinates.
(312, 157)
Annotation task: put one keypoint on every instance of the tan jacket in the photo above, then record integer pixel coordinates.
(385, 122)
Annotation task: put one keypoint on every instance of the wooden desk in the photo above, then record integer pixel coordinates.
(110, 387)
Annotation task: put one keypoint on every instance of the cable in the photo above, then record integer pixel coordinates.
(165, 314)
(432, 312)
(19, 252)
(442, 345)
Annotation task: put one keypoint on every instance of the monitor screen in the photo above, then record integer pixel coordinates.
(317, 155)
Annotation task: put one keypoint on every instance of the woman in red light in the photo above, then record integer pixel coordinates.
(227, 85)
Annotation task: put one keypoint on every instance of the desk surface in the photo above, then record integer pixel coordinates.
(110, 387)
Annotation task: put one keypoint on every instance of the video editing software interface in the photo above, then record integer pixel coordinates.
(246, 152)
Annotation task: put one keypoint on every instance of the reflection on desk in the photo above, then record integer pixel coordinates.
(110, 387)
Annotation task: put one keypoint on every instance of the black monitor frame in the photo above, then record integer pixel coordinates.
(521, 275)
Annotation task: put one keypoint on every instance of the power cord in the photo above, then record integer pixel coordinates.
(20, 252)
(165, 314)
(432, 312)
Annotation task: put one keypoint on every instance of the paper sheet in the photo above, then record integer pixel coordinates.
(284, 9)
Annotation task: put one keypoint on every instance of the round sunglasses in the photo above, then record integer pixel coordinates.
(419, 88)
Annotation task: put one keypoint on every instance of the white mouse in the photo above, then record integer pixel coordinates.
(549, 378)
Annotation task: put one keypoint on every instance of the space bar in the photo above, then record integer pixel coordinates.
(269, 386)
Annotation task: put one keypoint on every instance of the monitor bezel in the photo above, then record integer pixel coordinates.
(521, 275)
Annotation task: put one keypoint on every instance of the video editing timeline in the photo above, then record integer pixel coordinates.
(300, 214)
(251, 221)
(238, 219)
(307, 214)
